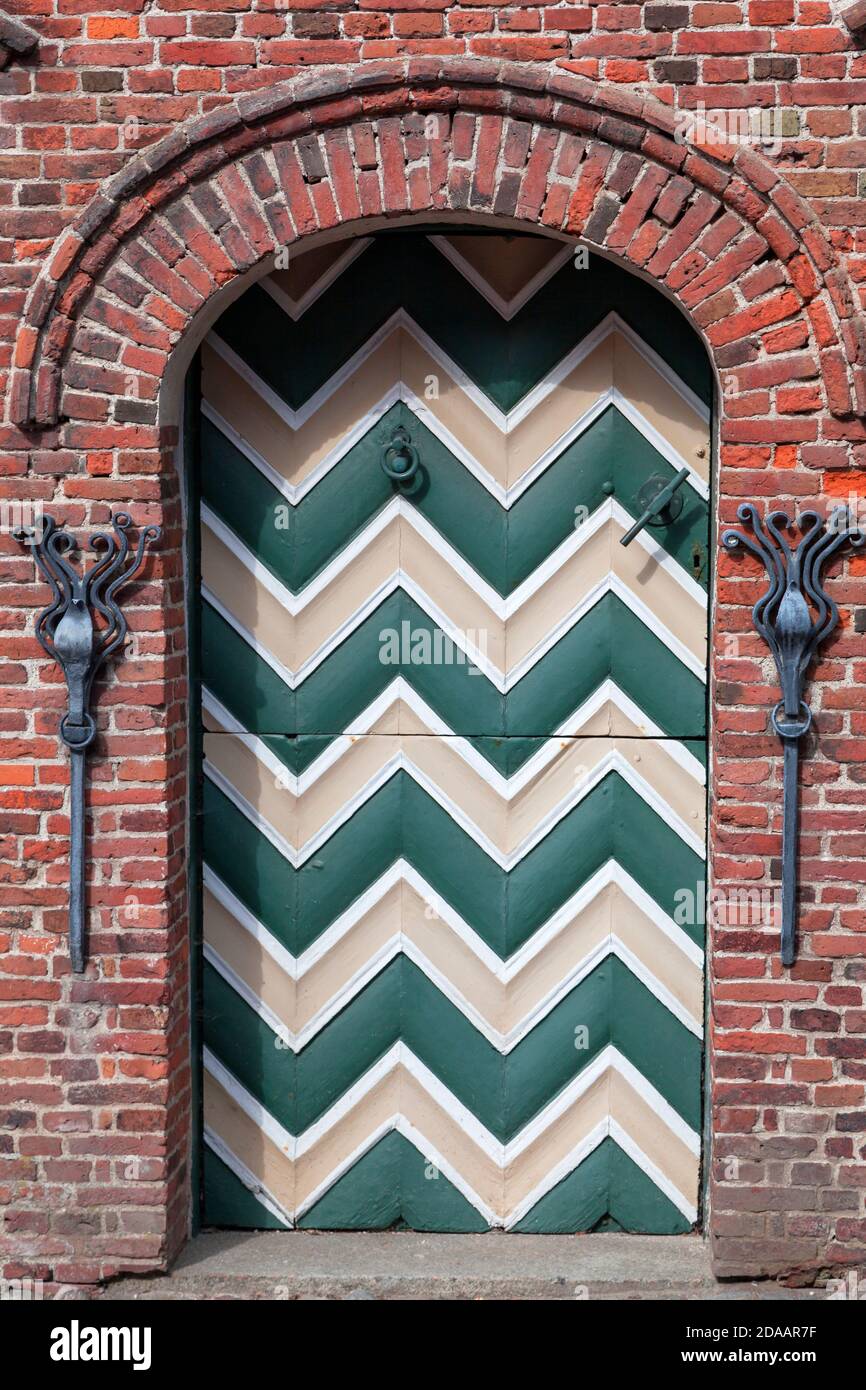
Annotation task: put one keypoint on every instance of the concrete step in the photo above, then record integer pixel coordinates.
(407, 1265)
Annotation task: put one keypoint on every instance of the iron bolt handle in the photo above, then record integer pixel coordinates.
(659, 510)
(400, 458)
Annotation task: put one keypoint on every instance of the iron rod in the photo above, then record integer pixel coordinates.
(77, 759)
(790, 820)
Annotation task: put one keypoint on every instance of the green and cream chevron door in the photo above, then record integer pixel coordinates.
(453, 744)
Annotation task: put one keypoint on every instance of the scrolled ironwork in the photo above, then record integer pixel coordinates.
(69, 635)
(793, 617)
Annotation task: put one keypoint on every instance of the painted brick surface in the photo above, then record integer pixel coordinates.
(150, 155)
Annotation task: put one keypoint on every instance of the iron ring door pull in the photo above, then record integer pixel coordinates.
(661, 506)
(400, 459)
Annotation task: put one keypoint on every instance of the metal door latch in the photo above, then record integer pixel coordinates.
(660, 502)
(400, 458)
(68, 633)
(784, 618)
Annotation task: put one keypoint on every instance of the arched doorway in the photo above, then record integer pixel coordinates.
(453, 741)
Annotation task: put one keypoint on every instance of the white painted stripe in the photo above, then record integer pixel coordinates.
(608, 511)
(505, 421)
(471, 655)
(654, 1173)
(401, 944)
(283, 1037)
(507, 309)
(610, 324)
(295, 419)
(561, 1170)
(550, 747)
(504, 970)
(261, 651)
(294, 493)
(252, 1108)
(662, 445)
(664, 369)
(264, 827)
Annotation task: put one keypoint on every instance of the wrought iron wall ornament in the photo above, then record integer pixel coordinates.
(793, 617)
(68, 633)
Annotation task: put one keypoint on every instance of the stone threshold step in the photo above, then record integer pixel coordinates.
(407, 1265)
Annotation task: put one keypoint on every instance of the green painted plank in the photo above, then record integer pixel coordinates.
(611, 822)
(611, 453)
(366, 1198)
(507, 1092)
(234, 673)
(298, 1089)
(296, 542)
(610, 640)
(351, 677)
(250, 866)
(393, 1185)
(228, 1203)
(608, 1190)
(671, 1057)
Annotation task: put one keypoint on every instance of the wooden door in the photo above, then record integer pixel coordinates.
(453, 731)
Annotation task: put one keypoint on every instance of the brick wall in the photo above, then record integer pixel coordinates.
(151, 155)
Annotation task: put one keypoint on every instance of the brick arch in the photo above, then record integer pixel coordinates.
(715, 225)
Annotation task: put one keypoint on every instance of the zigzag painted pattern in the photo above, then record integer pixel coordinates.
(446, 982)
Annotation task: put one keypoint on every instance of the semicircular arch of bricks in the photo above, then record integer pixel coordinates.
(715, 225)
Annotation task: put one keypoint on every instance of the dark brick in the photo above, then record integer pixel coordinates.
(657, 17)
(102, 81)
(135, 412)
(605, 211)
(774, 69)
(681, 70)
(816, 1020)
(316, 26)
(311, 159)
